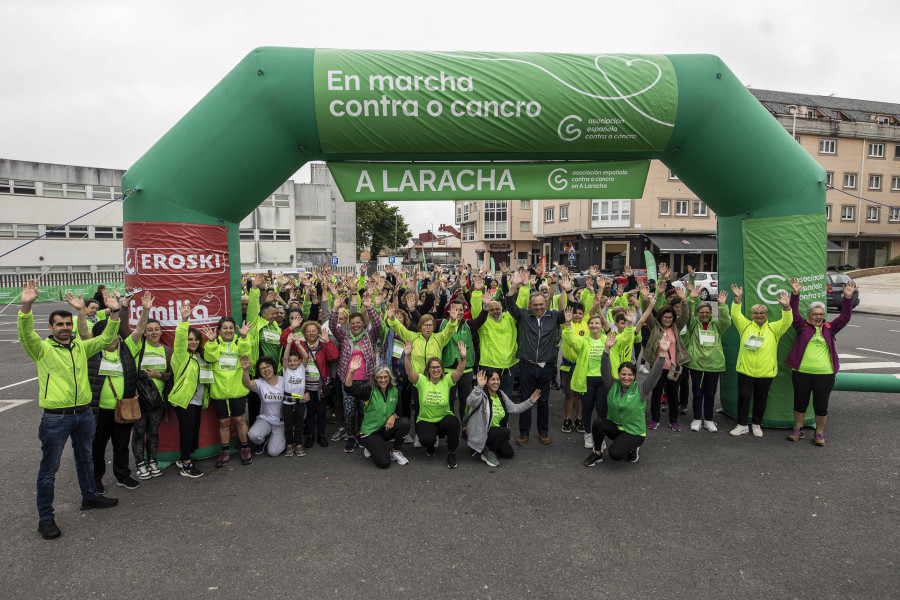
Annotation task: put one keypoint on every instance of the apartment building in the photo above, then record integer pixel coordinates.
(300, 224)
(856, 141)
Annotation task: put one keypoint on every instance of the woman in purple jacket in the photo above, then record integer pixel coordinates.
(814, 359)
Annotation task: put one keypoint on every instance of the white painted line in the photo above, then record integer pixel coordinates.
(848, 325)
(19, 383)
(890, 320)
(873, 365)
(8, 404)
(849, 356)
(894, 330)
(879, 351)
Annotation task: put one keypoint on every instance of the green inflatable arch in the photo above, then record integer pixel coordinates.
(282, 107)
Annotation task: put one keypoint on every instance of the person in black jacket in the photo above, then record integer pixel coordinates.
(113, 374)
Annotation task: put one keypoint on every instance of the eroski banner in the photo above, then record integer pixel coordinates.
(177, 262)
(473, 102)
(490, 181)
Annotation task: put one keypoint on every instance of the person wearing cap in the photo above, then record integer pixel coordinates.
(65, 396)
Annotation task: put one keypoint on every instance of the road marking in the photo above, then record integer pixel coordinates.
(19, 383)
(890, 320)
(8, 404)
(894, 330)
(848, 325)
(879, 351)
(849, 356)
(872, 365)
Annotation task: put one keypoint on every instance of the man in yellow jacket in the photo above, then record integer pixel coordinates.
(757, 362)
(65, 396)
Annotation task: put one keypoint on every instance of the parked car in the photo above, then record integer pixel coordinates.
(835, 291)
(707, 281)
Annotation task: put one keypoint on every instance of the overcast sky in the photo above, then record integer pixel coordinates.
(97, 83)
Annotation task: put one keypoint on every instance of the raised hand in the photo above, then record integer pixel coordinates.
(367, 300)
(569, 314)
(695, 290)
(664, 344)
(147, 301)
(462, 350)
(610, 339)
(796, 285)
(355, 363)
(680, 292)
(691, 272)
(629, 316)
(111, 300)
(723, 296)
(482, 378)
(408, 347)
(389, 313)
(289, 340)
(738, 292)
(245, 362)
(784, 299)
(209, 333)
(628, 272)
(296, 320)
(849, 288)
(185, 310)
(565, 283)
(244, 329)
(76, 302)
(503, 268)
(258, 281)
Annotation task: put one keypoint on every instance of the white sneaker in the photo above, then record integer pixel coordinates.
(398, 458)
(711, 427)
(696, 424)
(143, 470)
(366, 453)
(643, 369)
(416, 442)
(602, 446)
(408, 439)
(588, 440)
(740, 430)
(757, 431)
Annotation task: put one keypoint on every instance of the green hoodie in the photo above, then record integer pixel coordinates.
(227, 379)
(705, 345)
(62, 370)
(423, 349)
(758, 355)
(186, 370)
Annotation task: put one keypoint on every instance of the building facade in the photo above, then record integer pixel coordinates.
(299, 225)
(856, 141)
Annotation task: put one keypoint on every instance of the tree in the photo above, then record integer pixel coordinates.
(375, 226)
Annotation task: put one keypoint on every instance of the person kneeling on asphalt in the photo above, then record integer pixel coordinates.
(625, 424)
(487, 433)
(65, 396)
(381, 420)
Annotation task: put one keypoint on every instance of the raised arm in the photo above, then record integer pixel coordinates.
(846, 308)
(460, 364)
(245, 374)
(407, 362)
(146, 305)
(30, 340)
(798, 321)
(77, 302)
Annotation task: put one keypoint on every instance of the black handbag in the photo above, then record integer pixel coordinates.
(148, 394)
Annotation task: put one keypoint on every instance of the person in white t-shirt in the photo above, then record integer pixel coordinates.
(293, 410)
(270, 388)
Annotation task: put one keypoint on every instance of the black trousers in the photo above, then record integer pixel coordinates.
(377, 442)
(498, 442)
(621, 443)
(120, 434)
(293, 416)
(594, 398)
(253, 405)
(188, 429)
(671, 389)
(461, 390)
(316, 416)
(429, 432)
(756, 388)
(819, 386)
(684, 387)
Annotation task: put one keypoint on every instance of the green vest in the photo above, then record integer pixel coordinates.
(628, 410)
(378, 409)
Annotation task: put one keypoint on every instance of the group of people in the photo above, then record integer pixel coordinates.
(423, 356)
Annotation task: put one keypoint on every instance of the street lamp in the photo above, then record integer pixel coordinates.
(794, 112)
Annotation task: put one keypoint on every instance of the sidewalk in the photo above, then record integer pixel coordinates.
(879, 294)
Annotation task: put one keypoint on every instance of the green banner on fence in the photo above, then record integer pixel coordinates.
(55, 293)
(436, 102)
(490, 181)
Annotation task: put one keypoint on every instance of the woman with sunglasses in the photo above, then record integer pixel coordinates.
(814, 359)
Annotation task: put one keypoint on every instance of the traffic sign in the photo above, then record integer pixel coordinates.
(391, 259)
(571, 257)
(334, 260)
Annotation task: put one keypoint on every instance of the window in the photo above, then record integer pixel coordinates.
(810, 114)
(61, 190)
(494, 219)
(700, 209)
(610, 213)
(54, 190)
(827, 146)
(101, 192)
(55, 231)
(4, 186)
(525, 204)
(465, 212)
(829, 178)
(672, 176)
(26, 231)
(277, 200)
(76, 191)
(310, 217)
(524, 225)
(850, 180)
(104, 233)
(458, 214)
(247, 235)
(18, 186)
(896, 150)
(827, 212)
(564, 212)
(876, 150)
(873, 214)
(467, 233)
(6, 230)
(681, 208)
(874, 182)
(848, 213)
(665, 207)
(282, 235)
(895, 183)
(894, 215)
(797, 137)
(78, 231)
(548, 215)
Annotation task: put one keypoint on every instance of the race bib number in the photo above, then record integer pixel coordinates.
(270, 336)
(397, 350)
(228, 362)
(111, 367)
(707, 339)
(153, 361)
(753, 343)
(206, 373)
(312, 372)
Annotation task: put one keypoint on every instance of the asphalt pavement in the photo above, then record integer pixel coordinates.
(700, 516)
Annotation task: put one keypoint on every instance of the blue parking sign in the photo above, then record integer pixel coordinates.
(334, 260)
(391, 260)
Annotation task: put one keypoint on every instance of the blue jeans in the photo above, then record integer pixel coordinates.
(53, 432)
(533, 377)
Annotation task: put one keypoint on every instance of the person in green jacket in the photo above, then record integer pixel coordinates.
(498, 339)
(190, 391)
(757, 362)
(65, 395)
(626, 422)
(704, 344)
(229, 396)
(381, 418)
